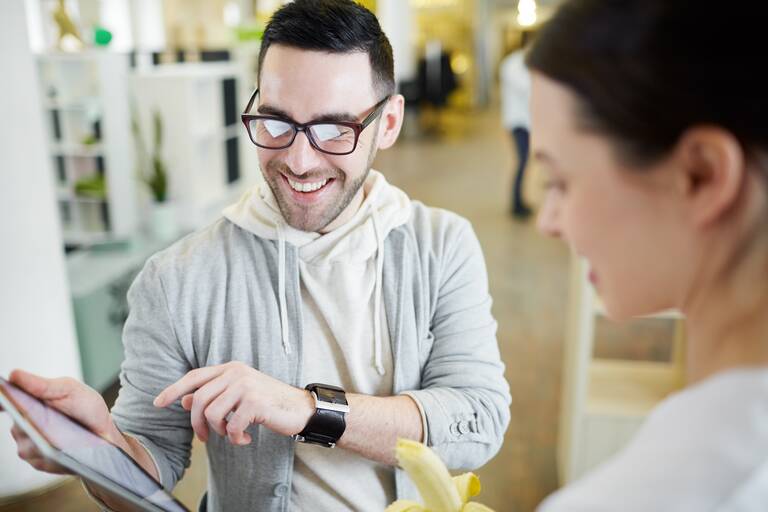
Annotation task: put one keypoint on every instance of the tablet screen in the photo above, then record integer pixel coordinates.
(88, 449)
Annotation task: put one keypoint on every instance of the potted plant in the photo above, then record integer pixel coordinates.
(90, 197)
(153, 173)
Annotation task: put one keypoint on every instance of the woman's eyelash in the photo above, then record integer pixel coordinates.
(554, 185)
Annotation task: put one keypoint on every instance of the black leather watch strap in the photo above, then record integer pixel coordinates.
(327, 425)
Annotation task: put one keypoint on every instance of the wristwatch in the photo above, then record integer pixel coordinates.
(327, 425)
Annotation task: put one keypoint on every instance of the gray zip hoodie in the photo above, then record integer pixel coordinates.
(225, 293)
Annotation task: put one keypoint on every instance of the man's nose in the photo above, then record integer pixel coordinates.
(301, 156)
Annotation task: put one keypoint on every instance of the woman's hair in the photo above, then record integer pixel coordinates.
(646, 70)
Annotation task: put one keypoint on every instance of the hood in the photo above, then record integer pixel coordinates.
(384, 208)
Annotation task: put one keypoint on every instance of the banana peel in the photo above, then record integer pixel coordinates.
(439, 491)
(474, 506)
(468, 485)
(405, 506)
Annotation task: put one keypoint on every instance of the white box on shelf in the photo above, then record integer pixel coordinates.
(204, 147)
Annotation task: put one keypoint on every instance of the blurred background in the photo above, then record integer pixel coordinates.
(121, 134)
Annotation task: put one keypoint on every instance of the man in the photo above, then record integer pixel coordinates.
(326, 275)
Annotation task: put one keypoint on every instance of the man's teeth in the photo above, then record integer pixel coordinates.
(307, 187)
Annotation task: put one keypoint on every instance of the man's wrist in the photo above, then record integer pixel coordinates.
(328, 421)
(116, 437)
(306, 409)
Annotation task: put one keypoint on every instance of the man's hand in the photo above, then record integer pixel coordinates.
(213, 392)
(74, 399)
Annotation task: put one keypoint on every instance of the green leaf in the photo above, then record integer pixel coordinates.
(94, 187)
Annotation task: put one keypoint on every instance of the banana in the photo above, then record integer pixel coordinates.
(474, 506)
(430, 475)
(468, 486)
(440, 492)
(405, 506)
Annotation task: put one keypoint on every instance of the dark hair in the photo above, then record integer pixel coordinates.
(334, 26)
(646, 70)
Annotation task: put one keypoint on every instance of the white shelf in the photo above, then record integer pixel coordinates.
(89, 270)
(200, 106)
(69, 196)
(85, 95)
(68, 57)
(86, 103)
(82, 199)
(77, 150)
(79, 237)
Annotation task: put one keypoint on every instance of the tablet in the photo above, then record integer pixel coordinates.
(105, 467)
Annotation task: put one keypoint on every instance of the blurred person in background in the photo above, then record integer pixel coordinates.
(516, 118)
(325, 307)
(649, 118)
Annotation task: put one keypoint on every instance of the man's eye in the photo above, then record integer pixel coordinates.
(325, 132)
(276, 128)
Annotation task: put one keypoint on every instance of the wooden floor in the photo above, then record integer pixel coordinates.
(468, 170)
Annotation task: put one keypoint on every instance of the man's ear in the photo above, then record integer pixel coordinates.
(391, 121)
(712, 170)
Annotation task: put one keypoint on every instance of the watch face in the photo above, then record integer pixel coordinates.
(330, 395)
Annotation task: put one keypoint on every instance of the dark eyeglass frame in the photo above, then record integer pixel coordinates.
(357, 128)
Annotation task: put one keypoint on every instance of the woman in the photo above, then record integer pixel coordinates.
(650, 118)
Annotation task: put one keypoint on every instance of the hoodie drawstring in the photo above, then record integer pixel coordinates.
(377, 310)
(281, 287)
(377, 292)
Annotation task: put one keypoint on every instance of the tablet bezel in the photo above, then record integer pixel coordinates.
(87, 473)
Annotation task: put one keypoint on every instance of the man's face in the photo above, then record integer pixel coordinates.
(317, 191)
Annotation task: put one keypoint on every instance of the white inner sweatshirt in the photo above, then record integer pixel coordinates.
(346, 338)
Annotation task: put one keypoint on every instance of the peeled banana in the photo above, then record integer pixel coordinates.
(440, 492)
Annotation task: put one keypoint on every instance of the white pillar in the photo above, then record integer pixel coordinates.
(115, 16)
(396, 19)
(483, 34)
(148, 25)
(35, 309)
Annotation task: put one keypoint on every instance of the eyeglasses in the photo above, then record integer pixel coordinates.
(333, 138)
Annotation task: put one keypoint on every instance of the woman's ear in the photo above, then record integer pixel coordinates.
(712, 170)
(391, 121)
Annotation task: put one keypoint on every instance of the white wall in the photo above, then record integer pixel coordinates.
(36, 328)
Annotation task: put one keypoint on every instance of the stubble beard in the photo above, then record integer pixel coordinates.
(306, 218)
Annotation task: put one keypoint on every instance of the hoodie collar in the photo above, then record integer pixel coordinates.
(384, 208)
